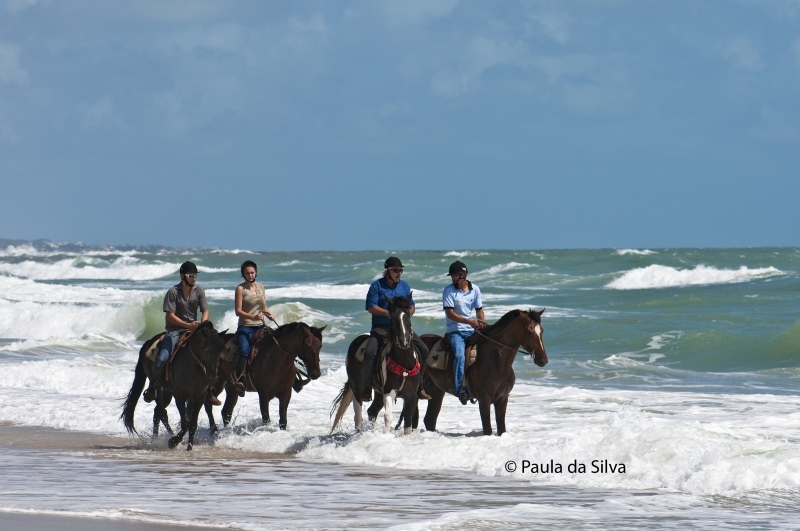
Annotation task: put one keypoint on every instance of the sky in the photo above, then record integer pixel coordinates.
(413, 124)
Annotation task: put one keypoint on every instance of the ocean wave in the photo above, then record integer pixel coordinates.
(499, 270)
(290, 312)
(204, 269)
(658, 276)
(642, 252)
(122, 268)
(462, 254)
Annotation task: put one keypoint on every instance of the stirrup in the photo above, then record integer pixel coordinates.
(423, 395)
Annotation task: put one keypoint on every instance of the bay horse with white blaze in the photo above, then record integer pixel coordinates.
(491, 378)
(188, 375)
(403, 373)
(273, 372)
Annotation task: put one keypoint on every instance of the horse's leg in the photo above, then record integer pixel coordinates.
(388, 400)
(434, 407)
(263, 401)
(173, 442)
(500, 414)
(283, 407)
(486, 415)
(415, 418)
(357, 416)
(193, 413)
(231, 398)
(212, 426)
(375, 407)
(409, 408)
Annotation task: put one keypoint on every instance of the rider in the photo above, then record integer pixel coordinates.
(180, 306)
(459, 299)
(388, 286)
(251, 308)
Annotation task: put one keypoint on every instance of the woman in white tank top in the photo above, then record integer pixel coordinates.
(251, 307)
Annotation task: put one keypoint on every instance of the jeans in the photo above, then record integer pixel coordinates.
(457, 340)
(243, 336)
(167, 345)
(380, 334)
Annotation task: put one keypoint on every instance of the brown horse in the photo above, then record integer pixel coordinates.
(401, 381)
(273, 372)
(491, 378)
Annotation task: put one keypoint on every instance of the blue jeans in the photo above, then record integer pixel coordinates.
(243, 336)
(457, 340)
(166, 347)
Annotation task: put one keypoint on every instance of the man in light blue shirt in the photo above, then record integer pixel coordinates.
(459, 299)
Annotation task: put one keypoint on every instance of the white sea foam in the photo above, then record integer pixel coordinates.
(499, 270)
(466, 253)
(122, 268)
(686, 442)
(204, 269)
(290, 312)
(658, 276)
(319, 291)
(642, 252)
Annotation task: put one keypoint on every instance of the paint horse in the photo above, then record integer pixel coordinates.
(402, 374)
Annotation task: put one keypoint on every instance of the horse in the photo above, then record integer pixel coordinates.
(273, 372)
(491, 378)
(402, 374)
(189, 374)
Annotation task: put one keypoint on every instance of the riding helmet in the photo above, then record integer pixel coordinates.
(457, 267)
(188, 267)
(392, 261)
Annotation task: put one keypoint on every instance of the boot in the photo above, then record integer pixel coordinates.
(421, 393)
(155, 381)
(212, 397)
(241, 366)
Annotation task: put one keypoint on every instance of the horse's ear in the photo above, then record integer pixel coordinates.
(224, 332)
(540, 313)
(321, 329)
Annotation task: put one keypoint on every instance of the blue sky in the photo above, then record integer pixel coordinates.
(421, 124)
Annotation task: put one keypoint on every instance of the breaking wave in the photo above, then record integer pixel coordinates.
(85, 267)
(658, 276)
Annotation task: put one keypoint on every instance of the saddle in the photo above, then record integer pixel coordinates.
(152, 352)
(232, 349)
(441, 358)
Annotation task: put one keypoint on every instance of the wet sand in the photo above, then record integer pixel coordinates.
(39, 522)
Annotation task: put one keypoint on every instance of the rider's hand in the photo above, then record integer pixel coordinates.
(269, 316)
(193, 325)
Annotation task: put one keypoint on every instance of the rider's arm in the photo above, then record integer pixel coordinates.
(266, 311)
(453, 316)
(206, 315)
(377, 310)
(177, 321)
(203, 304)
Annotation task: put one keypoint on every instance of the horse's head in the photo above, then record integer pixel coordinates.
(400, 313)
(309, 354)
(532, 338)
(208, 346)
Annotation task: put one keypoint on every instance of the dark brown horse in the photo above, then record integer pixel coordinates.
(404, 385)
(273, 372)
(491, 378)
(191, 371)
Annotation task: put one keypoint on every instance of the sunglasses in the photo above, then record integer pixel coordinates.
(396, 270)
(190, 275)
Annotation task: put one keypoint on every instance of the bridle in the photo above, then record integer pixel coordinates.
(519, 349)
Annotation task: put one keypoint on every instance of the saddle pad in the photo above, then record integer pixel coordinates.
(360, 350)
(380, 378)
(231, 350)
(152, 352)
(439, 358)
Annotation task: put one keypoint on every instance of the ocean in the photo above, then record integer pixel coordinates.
(671, 398)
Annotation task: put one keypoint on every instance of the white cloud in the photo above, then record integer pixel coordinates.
(554, 25)
(97, 113)
(481, 54)
(10, 71)
(742, 55)
(18, 5)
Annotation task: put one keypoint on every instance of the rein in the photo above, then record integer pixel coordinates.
(516, 350)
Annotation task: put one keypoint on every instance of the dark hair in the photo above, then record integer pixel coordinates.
(248, 263)
(188, 267)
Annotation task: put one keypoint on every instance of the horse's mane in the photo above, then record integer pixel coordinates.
(204, 325)
(290, 328)
(506, 320)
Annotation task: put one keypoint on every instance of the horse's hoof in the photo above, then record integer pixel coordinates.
(408, 431)
(213, 430)
(282, 426)
(172, 443)
(189, 447)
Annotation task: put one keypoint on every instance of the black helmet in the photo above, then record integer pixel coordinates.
(457, 267)
(248, 263)
(188, 267)
(392, 261)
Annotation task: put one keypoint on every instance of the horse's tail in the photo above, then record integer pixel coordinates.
(344, 398)
(139, 379)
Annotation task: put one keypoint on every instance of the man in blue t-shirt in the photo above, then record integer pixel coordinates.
(459, 299)
(389, 286)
